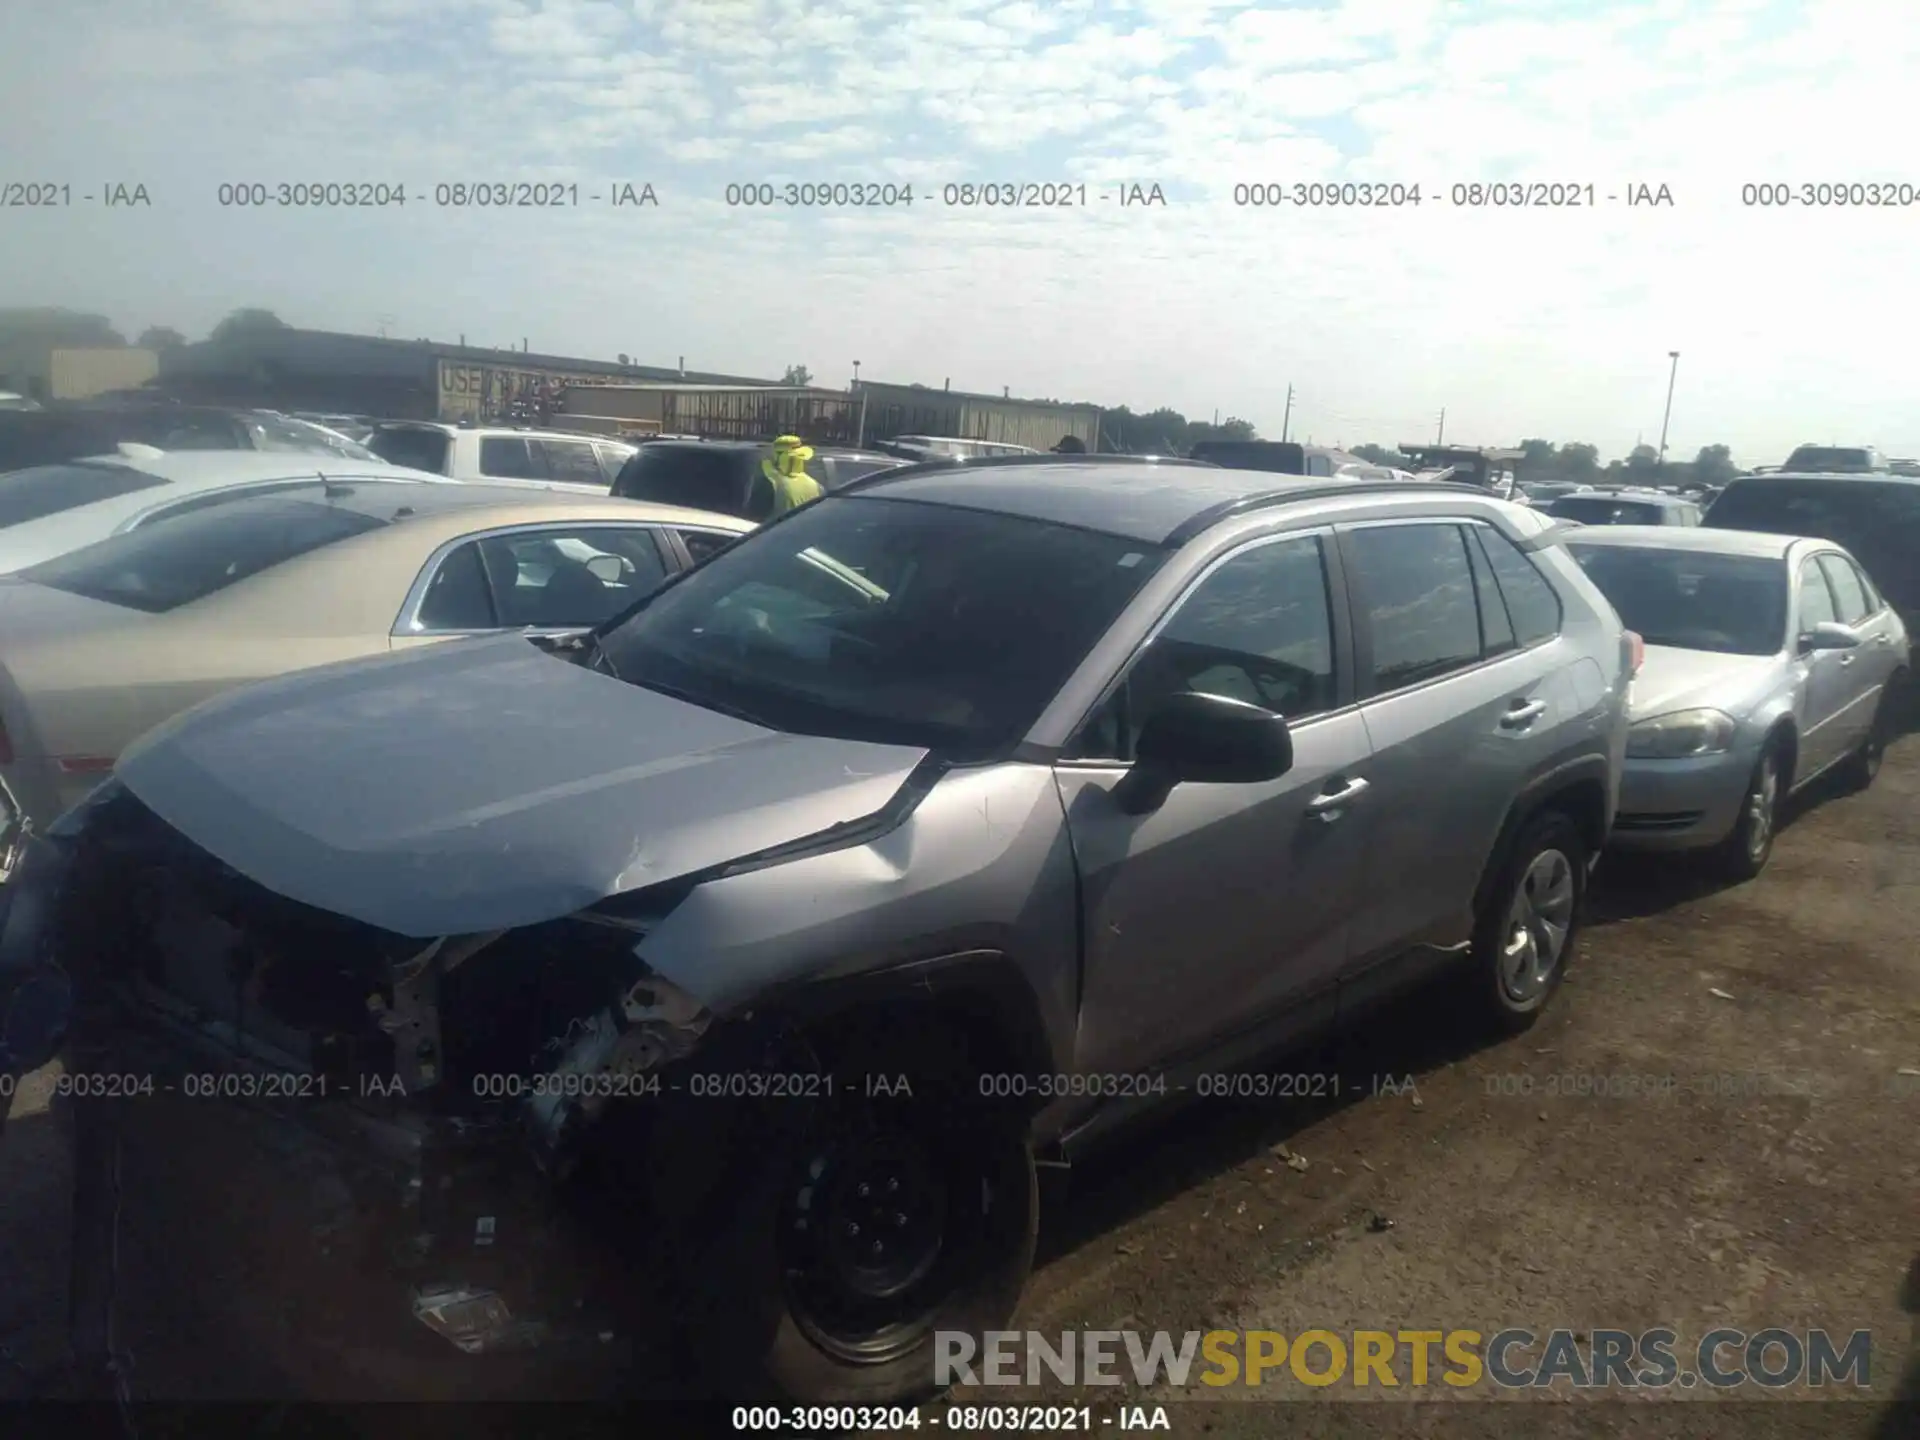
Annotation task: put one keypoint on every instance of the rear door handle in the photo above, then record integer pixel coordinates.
(1523, 714)
(1328, 803)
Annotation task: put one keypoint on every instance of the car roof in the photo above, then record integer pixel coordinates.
(463, 506)
(213, 468)
(1836, 477)
(1756, 543)
(1149, 499)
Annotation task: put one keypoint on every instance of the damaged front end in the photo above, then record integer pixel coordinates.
(440, 1097)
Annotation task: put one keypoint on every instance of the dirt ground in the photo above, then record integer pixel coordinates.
(1793, 1201)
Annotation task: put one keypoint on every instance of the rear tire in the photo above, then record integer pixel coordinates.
(1863, 766)
(1529, 925)
(784, 1298)
(1746, 850)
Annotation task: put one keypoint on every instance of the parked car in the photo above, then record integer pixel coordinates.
(725, 476)
(1875, 517)
(314, 572)
(11, 401)
(1836, 460)
(72, 431)
(491, 453)
(945, 824)
(1624, 507)
(1770, 661)
(48, 510)
(919, 448)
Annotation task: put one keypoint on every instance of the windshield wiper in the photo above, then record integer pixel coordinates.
(704, 702)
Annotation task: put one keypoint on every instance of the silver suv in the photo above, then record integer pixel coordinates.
(927, 834)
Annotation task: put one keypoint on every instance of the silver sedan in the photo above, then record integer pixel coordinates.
(1768, 662)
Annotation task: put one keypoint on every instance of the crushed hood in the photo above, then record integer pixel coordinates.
(484, 785)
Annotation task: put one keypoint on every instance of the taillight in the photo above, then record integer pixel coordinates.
(1636, 652)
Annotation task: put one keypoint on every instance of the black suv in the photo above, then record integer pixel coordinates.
(725, 476)
(1876, 515)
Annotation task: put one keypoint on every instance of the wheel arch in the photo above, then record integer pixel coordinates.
(1578, 790)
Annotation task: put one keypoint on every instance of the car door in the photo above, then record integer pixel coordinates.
(1463, 690)
(1827, 675)
(1865, 671)
(546, 580)
(1228, 903)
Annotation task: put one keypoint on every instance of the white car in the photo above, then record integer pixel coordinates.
(49, 510)
(502, 453)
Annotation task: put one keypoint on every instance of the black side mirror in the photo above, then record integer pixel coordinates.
(1828, 635)
(1204, 739)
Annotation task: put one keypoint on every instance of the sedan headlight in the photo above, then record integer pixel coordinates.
(1682, 734)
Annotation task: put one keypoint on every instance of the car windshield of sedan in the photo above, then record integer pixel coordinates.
(1729, 604)
(887, 620)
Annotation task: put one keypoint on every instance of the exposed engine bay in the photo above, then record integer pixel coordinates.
(462, 1079)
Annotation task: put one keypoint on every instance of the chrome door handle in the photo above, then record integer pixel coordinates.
(1522, 715)
(1328, 802)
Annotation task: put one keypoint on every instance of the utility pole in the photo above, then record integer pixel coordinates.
(1286, 419)
(1440, 435)
(1672, 371)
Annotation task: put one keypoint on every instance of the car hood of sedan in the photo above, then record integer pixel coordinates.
(483, 785)
(1671, 679)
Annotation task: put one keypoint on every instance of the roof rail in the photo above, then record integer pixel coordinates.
(1205, 520)
(1003, 462)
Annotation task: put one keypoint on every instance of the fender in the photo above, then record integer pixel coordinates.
(1583, 771)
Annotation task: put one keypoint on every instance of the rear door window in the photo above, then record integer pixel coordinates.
(702, 543)
(416, 449)
(1417, 590)
(43, 490)
(458, 596)
(1533, 604)
(566, 577)
(162, 567)
(508, 457)
(570, 461)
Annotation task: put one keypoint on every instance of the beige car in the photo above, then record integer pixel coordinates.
(101, 644)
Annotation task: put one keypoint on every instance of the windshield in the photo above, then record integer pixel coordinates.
(888, 620)
(1730, 604)
(1831, 457)
(160, 567)
(419, 449)
(1603, 510)
(282, 433)
(43, 490)
(1879, 521)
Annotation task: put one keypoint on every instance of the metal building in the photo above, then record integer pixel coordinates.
(731, 412)
(291, 369)
(893, 410)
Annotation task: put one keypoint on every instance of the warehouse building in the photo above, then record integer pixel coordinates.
(893, 410)
(318, 370)
(731, 412)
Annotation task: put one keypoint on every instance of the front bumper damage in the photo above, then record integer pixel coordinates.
(402, 1130)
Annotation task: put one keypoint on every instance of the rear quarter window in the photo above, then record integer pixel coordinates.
(416, 449)
(158, 568)
(44, 490)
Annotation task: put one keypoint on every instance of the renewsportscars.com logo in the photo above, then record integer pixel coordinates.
(1510, 1359)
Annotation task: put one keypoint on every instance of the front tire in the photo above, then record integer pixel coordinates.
(1529, 924)
(855, 1232)
(1746, 850)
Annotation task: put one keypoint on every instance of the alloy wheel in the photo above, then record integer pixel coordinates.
(1762, 800)
(1538, 923)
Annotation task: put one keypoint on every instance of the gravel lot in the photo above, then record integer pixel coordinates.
(1794, 1202)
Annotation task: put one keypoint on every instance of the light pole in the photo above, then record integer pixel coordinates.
(1672, 372)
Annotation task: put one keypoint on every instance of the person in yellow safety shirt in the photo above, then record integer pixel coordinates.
(786, 469)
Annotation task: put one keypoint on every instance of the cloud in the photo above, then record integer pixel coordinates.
(1519, 320)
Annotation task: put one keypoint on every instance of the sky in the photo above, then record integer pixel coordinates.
(1794, 322)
